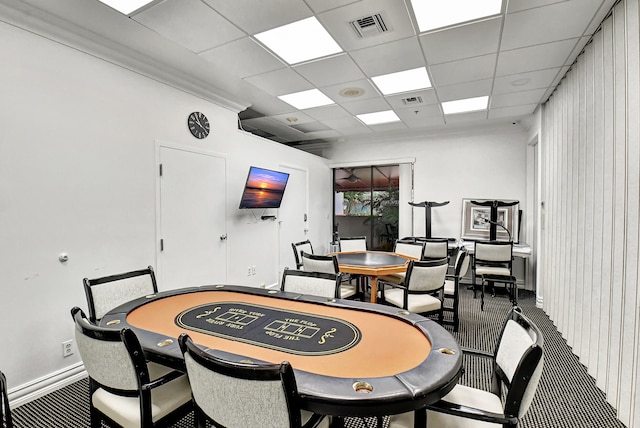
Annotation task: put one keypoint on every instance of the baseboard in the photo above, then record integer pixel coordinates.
(37, 388)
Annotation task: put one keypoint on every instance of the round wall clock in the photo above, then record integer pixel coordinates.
(198, 125)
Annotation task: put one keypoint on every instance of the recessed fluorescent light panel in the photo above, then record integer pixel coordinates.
(403, 81)
(432, 14)
(378, 117)
(126, 6)
(306, 99)
(300, 41)
(465, 105)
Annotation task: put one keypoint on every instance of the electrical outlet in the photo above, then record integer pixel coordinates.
(253, 270)
(67, 348)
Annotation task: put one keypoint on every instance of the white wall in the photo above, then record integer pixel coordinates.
(77, 175)
(484, 162)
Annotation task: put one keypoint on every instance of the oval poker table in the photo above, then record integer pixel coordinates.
(350, 358)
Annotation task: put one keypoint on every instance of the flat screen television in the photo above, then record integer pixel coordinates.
(264, 188)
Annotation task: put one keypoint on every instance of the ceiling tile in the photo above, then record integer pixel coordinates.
(343, 123)
(356, 130)
(558, 21)
(209, 41)
(366, 106)
(190, 23)
(480, 38)
(460, 91)
(297, 115)
(254, 60)
(525, 81)
(515, 111)
(465, 117)
(336, 21)
(268, 104)
(330, 112)
(310, 127)
(280, 82)
(465, 70)
(427, 97)
(422, 122)
(517, 98)
(325, 134)
(537, 57)
(324, 5)
(390, 57)
(322, 72)
(419, 113)
(333, 91)
(257, 16)
(391, 126)
(518, 5)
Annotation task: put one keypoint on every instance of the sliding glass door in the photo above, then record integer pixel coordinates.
(366, 204)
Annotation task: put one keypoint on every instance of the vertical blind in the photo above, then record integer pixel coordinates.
(591, 191)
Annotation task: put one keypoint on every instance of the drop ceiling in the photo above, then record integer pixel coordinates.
(207, 47)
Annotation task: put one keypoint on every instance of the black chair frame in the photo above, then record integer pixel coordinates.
(318, 257)
(145, 385)
(480, 262)
(250, 371)
(427, 241)
(344, 277)
(516, 389)
(460, 260)
(405, 286)
(89, 283)
(293, 272)
(5, 410)
(296, 253)
(352, 238)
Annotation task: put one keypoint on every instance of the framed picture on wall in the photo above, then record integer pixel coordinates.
(476, 225)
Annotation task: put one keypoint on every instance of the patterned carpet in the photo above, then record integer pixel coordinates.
(567, 396)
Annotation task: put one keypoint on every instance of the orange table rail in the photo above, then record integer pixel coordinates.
(350, 358)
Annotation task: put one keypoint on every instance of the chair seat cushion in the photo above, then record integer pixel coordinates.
(126, 410)
(471, 397)
(347, 290)
(492, 270)
(449, 287)
(395, 278)
(418, 303)
(460, 394)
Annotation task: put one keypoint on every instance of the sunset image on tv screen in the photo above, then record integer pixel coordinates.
(264, 188)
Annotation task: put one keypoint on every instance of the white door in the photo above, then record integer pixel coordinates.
(292, 217)
(192, 220)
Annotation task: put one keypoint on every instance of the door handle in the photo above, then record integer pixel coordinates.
(223, 237)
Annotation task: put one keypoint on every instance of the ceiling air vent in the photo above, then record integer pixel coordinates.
(409, 101)
(369, 26)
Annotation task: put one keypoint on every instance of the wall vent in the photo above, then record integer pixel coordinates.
(369, 26)
(409, 101)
